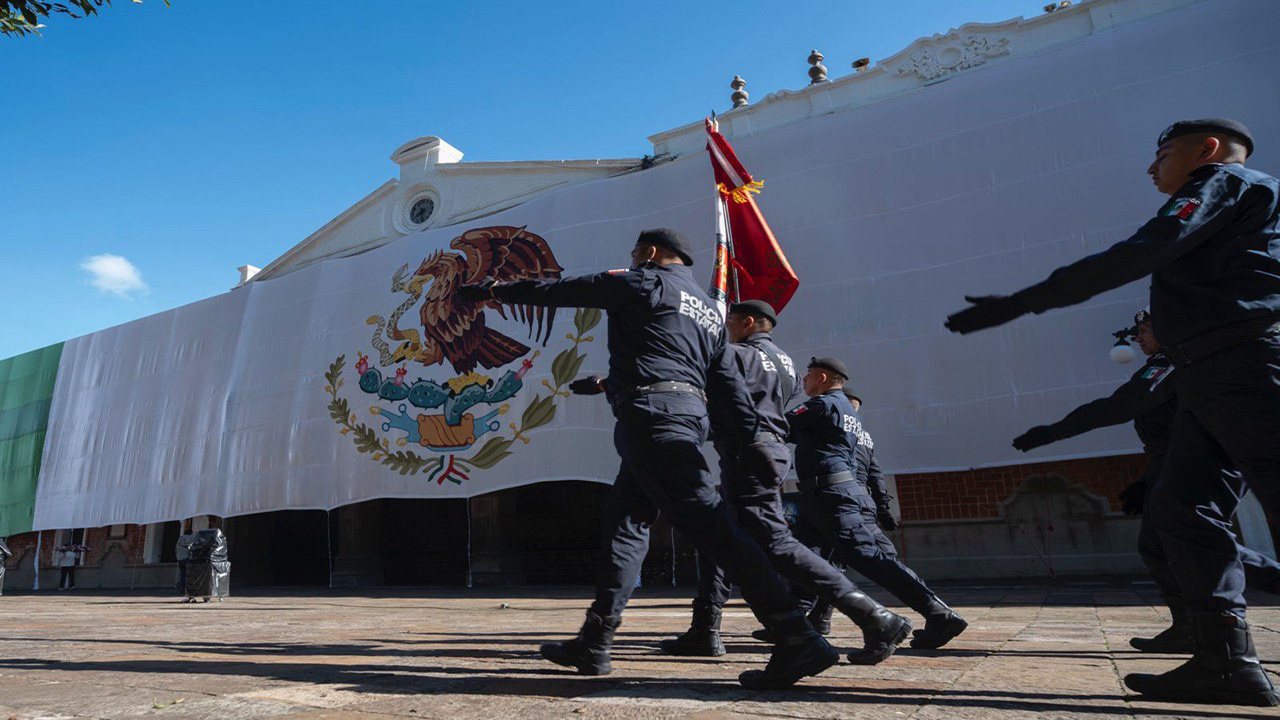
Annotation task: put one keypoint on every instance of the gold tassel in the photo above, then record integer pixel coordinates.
(743, 193)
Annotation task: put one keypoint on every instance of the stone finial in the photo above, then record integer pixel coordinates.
(739, 96)
(817, 73)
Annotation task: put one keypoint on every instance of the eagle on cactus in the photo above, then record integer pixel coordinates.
(456, 331)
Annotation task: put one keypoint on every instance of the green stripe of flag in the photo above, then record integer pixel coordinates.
(26, 390)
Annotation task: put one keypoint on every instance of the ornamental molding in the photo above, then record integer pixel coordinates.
(949, 54)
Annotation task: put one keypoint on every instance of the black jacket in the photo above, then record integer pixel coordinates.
(1213, 253)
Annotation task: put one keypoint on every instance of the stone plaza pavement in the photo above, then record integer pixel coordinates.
(1051, 650)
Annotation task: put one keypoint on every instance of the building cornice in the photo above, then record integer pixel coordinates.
(926, 61)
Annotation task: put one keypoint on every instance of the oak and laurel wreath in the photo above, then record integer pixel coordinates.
(539, 412)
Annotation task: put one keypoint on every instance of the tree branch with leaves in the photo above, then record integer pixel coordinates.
(26, 17)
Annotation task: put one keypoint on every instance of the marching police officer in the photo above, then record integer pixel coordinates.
(1149, 400)
(1213, 251)
(753, 486)
(835, 510)
(666, 355)
(872, 481)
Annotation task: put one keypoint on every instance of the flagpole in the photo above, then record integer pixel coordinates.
(719, 270)
(734, 293)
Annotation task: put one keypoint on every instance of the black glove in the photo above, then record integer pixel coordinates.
(1034, 438)
(886, 519)
(987, 311)
(590, 385)
(1132, 497)
(475, 293)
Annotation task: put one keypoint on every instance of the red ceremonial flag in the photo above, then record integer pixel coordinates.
(761, 271)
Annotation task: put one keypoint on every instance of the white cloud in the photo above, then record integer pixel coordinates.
(114, 274)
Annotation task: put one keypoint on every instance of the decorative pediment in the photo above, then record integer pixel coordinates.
(945, 55)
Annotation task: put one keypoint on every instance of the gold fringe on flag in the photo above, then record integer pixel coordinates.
(743, 193)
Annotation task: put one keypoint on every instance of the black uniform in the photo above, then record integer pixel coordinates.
(1149, 400)
(837, 511)
(755, 491)
(666, 345)
(1213, 253)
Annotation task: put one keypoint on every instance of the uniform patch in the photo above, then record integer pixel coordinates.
(1158, 376)
(707, 318)
(800, 410)
(619, 271)
(1182, 208)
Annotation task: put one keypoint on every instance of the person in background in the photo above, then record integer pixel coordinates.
(5, 554)
(67, 557)
(182, 553)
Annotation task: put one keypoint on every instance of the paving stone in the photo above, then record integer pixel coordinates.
(1042, 650)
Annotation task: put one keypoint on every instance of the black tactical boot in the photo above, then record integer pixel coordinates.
(1177, 638)
(882, 629)
(1224, 669)
(702, 639)
(799, 652)
(763, 635)
(820, 617)
(589, 652)
(941, 626)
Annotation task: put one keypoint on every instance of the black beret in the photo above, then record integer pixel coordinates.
(1209, 125)
(832, 364)
(758, 308)
(667, 239)
(849, 394)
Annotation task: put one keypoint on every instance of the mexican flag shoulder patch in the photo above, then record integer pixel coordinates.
(1155, 374)
(1182, 208)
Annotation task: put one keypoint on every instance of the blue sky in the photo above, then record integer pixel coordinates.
(155, 149)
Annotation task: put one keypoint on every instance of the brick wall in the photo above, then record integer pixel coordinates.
(977, 493)
(99, 539)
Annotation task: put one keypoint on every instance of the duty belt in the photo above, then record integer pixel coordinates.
(666, 386)
(826, 481)
(768, 437)
(1219, 339)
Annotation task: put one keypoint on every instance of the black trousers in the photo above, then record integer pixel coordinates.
(1225, 489)
(843, 518)
(1228, 407)
(659, 437)
(755, 494)
(67, 578)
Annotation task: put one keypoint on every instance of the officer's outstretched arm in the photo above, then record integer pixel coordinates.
(1135, 397)
(1211, 201)
(606, 291)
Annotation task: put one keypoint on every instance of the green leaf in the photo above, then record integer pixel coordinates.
(491, 453)
(585, 319)
(541, 416)
(335, 370)
(490, 462)
(339, 410)
(565, 366)
(531, 410)
(575, 367)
